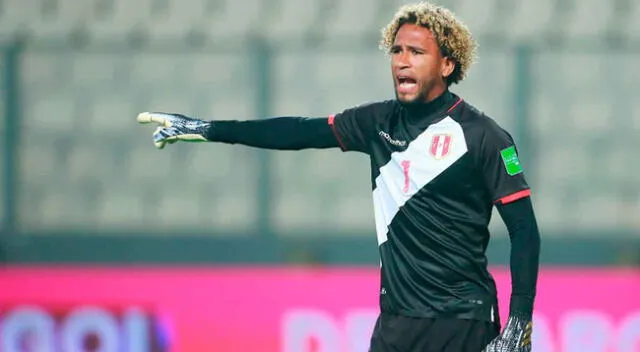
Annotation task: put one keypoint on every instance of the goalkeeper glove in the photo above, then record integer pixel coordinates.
(515, 337)
(175, 127)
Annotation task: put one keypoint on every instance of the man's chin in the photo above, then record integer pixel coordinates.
(407, 100)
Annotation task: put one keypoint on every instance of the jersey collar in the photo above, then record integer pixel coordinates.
(432, 109)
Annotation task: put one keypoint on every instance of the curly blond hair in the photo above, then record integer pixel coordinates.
(451, 34)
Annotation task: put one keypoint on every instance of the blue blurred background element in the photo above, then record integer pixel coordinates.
(82, 182)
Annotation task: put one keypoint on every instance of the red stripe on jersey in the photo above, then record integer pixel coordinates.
(515, 196)
(454, 105)
(335, 133)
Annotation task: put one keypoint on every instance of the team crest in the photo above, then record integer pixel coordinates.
(440, 145)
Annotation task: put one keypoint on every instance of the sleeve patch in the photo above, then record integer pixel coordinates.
(511, 161)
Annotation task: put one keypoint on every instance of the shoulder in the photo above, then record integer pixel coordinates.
(378, 109)
(480, 127)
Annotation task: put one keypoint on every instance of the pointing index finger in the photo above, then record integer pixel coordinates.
(148, 117)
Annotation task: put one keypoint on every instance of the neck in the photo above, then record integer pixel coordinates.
(420, 109)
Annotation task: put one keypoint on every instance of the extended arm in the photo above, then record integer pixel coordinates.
(281, 133)
(522, 226)
(521, 223)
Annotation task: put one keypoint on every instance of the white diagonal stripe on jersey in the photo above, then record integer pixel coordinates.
(388, 195)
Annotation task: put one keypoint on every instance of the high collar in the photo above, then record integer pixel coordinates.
(420, 111)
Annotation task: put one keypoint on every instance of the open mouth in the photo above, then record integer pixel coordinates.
(406, 84)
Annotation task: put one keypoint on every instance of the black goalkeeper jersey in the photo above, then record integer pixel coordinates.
(437, 170)
(436, 173)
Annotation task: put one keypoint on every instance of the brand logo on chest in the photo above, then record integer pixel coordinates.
(396, 142)
(440, 145)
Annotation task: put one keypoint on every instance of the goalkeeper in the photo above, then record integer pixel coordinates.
(438, 168)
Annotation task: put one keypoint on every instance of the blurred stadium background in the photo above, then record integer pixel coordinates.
(82, 184)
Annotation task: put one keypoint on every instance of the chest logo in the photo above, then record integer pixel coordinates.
(440, 145)
(395, 142)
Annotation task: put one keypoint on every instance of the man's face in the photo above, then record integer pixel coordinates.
(417, 65)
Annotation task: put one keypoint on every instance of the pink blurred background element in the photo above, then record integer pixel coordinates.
(299, 309)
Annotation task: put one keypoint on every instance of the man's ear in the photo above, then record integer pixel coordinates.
(448, 65)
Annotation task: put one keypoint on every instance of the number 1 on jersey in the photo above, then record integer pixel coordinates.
(406, 164)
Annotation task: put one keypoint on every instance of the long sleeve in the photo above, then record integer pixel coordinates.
(281, 133)
(520, 221)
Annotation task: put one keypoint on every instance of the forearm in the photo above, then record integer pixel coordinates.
(525, 251)
(282, 133)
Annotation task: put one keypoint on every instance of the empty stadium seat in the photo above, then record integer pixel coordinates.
(626, 72)
(550, 210)
(43, 70)
(91, 160)
(560, 163)
(61, 21)
(352, 18)
(235, 20)
(339, 80)
(589, 19)
(16, 16)
(50, 212)
(62, 207)
(231, 212)
(291, 95)
(336, 183)
(529, 20)
(615, 169)
(219, 69)
(113, 114)
(146, 165)
(177, 207)
(354, 213)
(479, 19)
(595, 212)
(119, 20)
(574, 72)
(544, 117)
(216, 165)
(342, 77)
(593, 116)
(296, 212)
(632, 25)
(230, 105)
(213, 164)
(221, 181)
(288, 20)
(94, 70)
(121, 209)
(39, 160)
(177, 20)
(155, 69)
(54, 112)
(635, 114)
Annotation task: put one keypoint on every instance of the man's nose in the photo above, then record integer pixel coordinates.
(401, 60)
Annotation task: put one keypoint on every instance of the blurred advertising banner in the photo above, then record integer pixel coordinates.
(275, 309)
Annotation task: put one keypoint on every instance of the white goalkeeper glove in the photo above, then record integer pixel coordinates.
(175, 127)
(515, 337)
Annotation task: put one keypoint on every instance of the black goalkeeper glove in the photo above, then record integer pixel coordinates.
(175, 127)
(515, 337)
